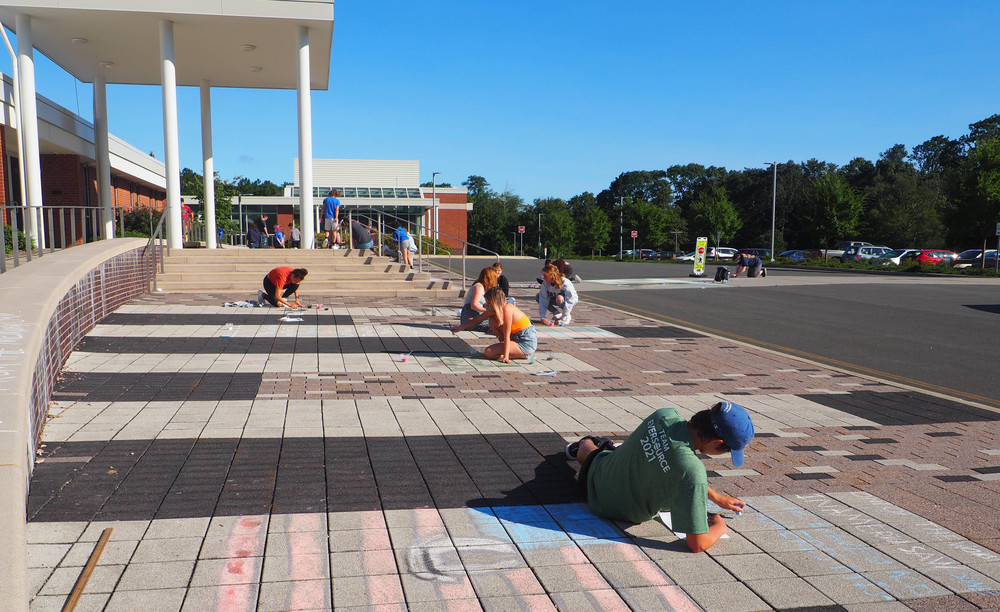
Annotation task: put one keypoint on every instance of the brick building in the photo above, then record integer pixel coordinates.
(68, 170)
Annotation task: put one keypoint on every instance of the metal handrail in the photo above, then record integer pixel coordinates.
(420, 247)
(152, 253)
(51, 228)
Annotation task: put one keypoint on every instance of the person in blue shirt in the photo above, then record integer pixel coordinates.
(403, 243)
(331, 218)
(751, 264)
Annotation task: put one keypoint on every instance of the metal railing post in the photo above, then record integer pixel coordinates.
(17, 243)
(3, 240)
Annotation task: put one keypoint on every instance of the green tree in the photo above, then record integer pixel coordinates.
(258, 187)
(558, 228)
(973, 208)
(593, 229)
(832, 209)
(430, 184)
(192, 183)
(476, 186)
(935, 155)
(493, 215)
(715, 215)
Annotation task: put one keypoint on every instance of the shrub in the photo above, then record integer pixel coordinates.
(8, 239)
(139, 222)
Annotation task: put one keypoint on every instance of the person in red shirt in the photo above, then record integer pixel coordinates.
(281, 283)
(187, 215)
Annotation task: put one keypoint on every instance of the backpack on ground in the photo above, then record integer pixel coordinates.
(721, 274)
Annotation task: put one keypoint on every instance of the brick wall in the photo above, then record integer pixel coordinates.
(4, 160)
(454, 223)
(99, 293)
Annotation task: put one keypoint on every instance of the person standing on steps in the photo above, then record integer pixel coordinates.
(331, 218)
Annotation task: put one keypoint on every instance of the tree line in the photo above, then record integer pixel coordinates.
(944, 193)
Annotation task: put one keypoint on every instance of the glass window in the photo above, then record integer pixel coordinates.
(362, 192)
(350, 192)
(375, 192)
(400, 192)
(413, 192)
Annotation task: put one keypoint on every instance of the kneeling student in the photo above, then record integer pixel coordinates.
(657, 469)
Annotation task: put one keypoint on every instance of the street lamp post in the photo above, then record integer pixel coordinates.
(774, 202)
(539, 235)
(621, 227)
(434, 208)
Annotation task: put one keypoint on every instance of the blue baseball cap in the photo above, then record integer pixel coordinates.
(734, 426)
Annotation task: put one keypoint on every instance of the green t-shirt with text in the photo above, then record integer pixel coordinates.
(655, 469)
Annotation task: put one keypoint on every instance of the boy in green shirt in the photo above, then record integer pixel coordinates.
(657, 469)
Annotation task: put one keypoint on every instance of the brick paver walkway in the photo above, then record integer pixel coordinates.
(246, 463)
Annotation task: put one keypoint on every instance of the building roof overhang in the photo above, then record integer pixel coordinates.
(229, 43)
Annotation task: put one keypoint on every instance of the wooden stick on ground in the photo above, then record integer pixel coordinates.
(81, 582)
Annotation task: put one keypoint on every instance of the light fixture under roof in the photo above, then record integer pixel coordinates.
(80, 41)
(255, 69)
(248, 48)
(105, 64)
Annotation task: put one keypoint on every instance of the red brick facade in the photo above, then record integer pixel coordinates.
(454, 221)
(71, 182)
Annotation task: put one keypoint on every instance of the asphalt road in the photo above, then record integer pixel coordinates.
(936, 333)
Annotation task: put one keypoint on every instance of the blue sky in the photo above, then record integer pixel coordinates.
(554, 98)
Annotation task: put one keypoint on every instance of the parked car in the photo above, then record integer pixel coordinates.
(843, 245)
(973, 258)
(801, 254)
(861, 253)
(647, 254)
(932, 257)
(764, 254)
(894, 256)
(669, 254)
(724, 253)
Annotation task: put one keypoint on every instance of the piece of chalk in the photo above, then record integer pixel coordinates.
(739, 513)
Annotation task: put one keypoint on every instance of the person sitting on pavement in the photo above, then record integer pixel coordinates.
(362, 237)
(657, 469)
(403, 245)
(567, 270)
(475, 297)
(751, 264)
(279, 284)
(515, 334)
(503, 283)
(556, 295)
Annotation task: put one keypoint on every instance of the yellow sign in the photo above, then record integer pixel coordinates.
(700, 249)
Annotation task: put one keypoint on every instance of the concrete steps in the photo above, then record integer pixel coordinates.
(335, 272)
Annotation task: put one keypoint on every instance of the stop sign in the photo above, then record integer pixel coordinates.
(635, 234)
(520, 229)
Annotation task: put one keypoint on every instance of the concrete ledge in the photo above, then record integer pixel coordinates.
(48, 305)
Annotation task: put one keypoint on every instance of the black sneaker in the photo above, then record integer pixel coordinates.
(572, 449)
(763, 272)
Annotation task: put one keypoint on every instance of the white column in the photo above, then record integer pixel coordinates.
(29, 127)
(103, 153)
(211, 234)
(168, 83)
(305, 143)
